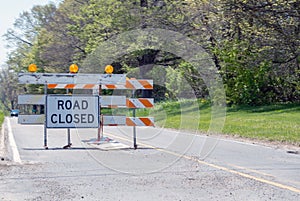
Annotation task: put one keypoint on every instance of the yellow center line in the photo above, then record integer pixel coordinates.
(250, 170)
(276, 184)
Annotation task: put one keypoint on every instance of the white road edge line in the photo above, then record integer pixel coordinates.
(12, 143)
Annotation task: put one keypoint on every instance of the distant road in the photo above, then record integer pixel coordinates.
(168, 165)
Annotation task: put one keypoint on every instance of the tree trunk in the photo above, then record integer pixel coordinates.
(146, 63)
(144, 3)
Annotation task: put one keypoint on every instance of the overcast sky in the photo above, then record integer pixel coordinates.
(9, 12)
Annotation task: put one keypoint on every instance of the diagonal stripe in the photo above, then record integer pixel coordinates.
(129, 85)
(146, 84)
(130, 104)
(52, 86)
(89, 86)
(110, 86)
(70, 86)
(139, 102)
(129, 122)
(146, 102)
(147, 121)
(137, 84)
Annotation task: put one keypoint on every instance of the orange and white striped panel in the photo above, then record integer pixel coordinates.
(139, 102)
(131, 84)
(139, 121)
(127, 121)
(73, 86)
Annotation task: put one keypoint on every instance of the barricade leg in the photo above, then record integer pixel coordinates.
(69, 140)
(45, 137)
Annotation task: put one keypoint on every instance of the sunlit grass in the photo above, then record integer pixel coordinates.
(274, 122)
(1, 118)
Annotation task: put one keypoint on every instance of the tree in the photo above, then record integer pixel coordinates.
(9, 89)
(269, 31)
(59, 48)
(24, 37)
(254, 44)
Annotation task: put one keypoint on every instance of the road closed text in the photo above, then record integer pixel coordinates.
(71, 112)
(75, 118)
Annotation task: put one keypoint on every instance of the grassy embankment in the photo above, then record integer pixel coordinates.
(274, 122)
(1, 118)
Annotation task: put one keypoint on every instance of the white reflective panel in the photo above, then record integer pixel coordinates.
(31, 99)
(31, 119)
(112, 101)
(66, 78)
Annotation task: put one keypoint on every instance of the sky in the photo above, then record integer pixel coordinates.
(9, 12)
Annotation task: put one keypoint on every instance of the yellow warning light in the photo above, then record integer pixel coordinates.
(73, 68)
(109, 69)
(32, 68)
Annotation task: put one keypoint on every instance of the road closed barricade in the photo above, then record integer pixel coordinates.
(82, 111)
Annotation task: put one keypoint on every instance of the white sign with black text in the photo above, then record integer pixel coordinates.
(65, 111)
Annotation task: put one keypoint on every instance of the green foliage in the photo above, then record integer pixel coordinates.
(249, 79)
(175, 83)
(255, 45)
(100, 20)
(245, 82)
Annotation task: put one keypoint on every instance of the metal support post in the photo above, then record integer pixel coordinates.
(45, 124)
(134, 133)
(134, 127)
(69, 139)
(100, 129)
(69, 144)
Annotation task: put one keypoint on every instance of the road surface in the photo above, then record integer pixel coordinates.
(168, 165)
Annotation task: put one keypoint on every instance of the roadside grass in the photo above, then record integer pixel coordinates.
(1, 118)
(274, 123)
(279, 122)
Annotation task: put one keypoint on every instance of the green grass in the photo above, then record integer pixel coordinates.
(274, 122)
(1, 118)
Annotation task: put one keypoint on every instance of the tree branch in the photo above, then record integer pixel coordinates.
(18, 38)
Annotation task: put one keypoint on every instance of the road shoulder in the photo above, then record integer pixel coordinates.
(8, 149)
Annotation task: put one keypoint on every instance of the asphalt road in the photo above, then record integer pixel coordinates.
(168, 165)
